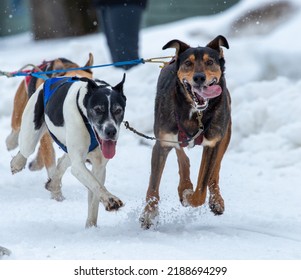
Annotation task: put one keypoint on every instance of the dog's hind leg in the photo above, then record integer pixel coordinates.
(20, 101)
(17, 163)
(45, 156)
(159, 156)
(37, 163)
(54, 183)
(185, 184)
(32, 128)
(47, 153)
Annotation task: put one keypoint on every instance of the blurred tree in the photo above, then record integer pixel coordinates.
(62, 18)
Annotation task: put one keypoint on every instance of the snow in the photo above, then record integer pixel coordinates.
(260, 176)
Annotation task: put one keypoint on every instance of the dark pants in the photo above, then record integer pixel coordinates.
(121, 25)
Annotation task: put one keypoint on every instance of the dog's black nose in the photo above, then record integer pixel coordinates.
(199, 78)
(110, 131)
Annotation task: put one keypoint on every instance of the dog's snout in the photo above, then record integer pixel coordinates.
(110, 132)
(199, 78)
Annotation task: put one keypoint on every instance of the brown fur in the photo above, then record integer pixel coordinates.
(46, 154)
(175, 109)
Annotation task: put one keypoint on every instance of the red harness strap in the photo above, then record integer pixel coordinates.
(183, 138)
(44, 66)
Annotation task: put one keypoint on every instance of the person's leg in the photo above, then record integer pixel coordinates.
(121, 25)
(105, 19)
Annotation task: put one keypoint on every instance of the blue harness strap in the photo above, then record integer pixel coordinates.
(50, 87)
(93, 141)
(53, 84)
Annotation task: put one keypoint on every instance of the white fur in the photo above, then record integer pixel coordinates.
(75, 136)
(169, 140)
(110, 121)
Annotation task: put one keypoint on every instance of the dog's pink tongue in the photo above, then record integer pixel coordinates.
(108, 148)
(209, 92)
(212, 91)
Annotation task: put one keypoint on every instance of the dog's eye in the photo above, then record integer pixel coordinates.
(117, 111)
(98, 110)
(209, 62)
(188, 63)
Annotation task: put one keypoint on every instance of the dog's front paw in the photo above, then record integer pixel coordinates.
(216, 204)
(193, 199)
(113, 203)
(186, 195)
(35, 165)
(58, 196)
(150, 216)
(55, 190)
(17, 163)
(149, 220)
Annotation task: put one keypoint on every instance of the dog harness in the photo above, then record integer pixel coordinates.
(44, 67)
(50, 87)
(30, 81)
(185, 139)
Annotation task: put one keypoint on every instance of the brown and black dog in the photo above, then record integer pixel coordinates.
(46, 155)
(192, 107)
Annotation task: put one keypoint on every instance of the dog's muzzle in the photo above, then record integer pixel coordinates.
(202, 94)
(107, 146)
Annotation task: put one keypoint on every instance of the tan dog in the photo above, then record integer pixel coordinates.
(46, 154)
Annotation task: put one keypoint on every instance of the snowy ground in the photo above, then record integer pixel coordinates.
(260, 177)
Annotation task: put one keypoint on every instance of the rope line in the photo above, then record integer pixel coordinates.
(188, 141)
(42, 74)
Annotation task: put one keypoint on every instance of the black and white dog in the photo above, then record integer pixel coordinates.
(83, 116)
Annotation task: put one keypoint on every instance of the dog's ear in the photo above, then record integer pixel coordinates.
(217, 43)
(57, 64)
(90, 60)
(178, 45)
(91, 83)
(119, 86)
